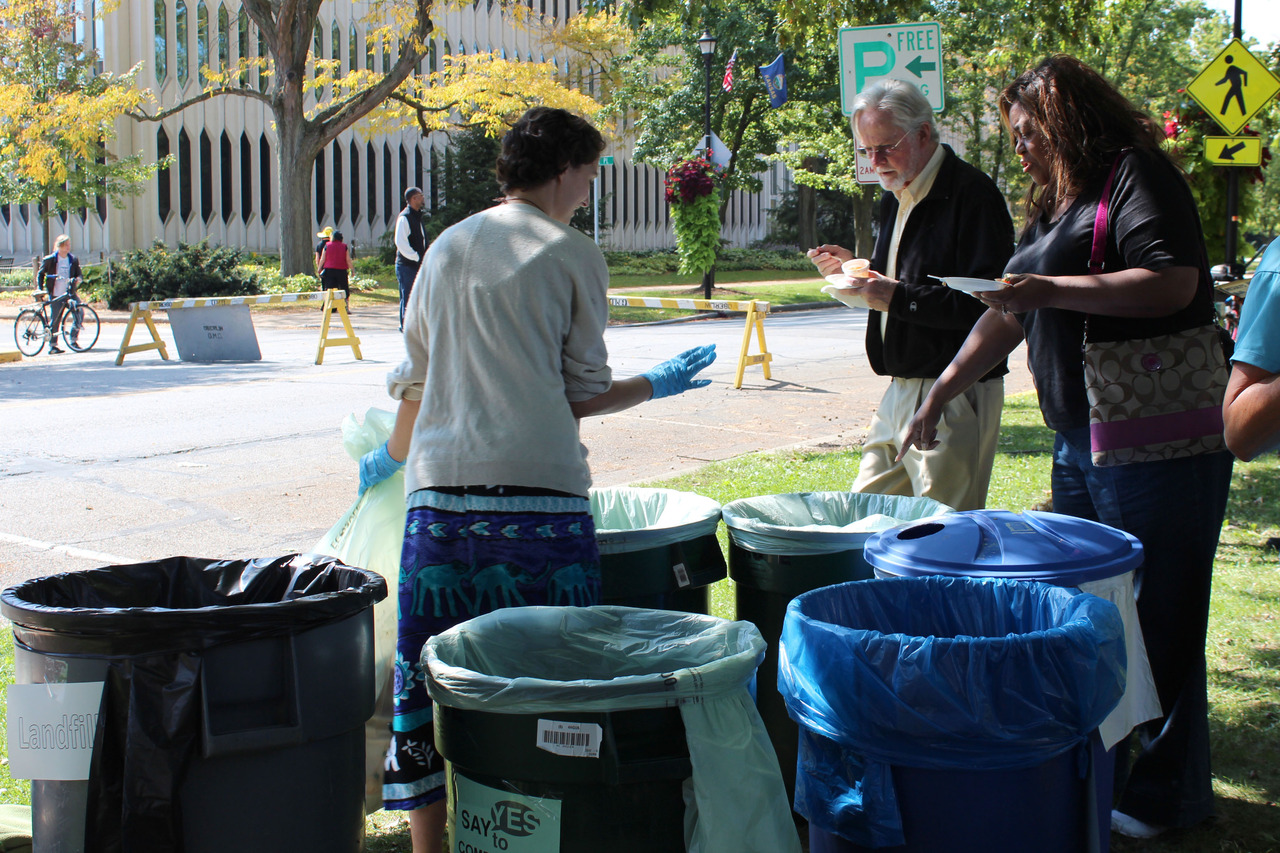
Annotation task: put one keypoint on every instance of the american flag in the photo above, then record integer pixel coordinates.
(728, 71)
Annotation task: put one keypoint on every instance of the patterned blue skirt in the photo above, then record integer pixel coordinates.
(469, 551)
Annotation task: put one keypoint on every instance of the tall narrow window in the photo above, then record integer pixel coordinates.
(317, 49)
(101, 198)
(206, 177)
(335, 47)
(225, 172)
(354, 171)
(164, 203)
(4, 212)
(246, 178)
(337, 182)
(386, 55)
(224, 38)
(180, 58)
(433, 55)
(184, 175)
(371, 167)
(319, 188)
(388, 184)
(99, 33)
(417, 167)
(433, 167)
(370, 49)
(264, 175)
(202, 41)
(242, 39)
(353, 49)
(263, 65)
(162, 40)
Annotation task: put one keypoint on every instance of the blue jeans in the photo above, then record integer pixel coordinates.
(405, 274)
(1175, 508)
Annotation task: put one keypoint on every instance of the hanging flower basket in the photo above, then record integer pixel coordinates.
(693, 193)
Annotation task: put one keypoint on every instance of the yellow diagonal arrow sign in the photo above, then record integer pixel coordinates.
(1233, 150)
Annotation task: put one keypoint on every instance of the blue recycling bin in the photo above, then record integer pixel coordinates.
(948, 713)
(1039, 546)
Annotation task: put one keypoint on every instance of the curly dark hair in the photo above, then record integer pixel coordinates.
(1082, 120)
(542, 144)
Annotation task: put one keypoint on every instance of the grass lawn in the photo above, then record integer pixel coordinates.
(1243, 650)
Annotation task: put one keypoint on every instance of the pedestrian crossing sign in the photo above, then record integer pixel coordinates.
(1233, 87)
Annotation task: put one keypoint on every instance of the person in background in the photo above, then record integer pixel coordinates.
(1251, 409)
(325, 235)
(335, 267)
(411, 245)
(59, 274)
(505, 353)
(1071, 129)
(939, 216)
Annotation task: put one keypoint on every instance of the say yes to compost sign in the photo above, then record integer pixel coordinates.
(489, 820)
(50, 729)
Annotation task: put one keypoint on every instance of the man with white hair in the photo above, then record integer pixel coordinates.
(939, 217)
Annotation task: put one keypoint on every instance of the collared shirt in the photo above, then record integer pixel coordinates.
(62, 282)
(908, 197)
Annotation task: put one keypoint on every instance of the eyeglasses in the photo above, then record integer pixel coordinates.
(881, 150)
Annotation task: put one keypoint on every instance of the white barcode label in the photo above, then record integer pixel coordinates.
(682, 575)
(581, 740)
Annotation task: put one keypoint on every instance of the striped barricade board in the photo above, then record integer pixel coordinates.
(754, 310)
(331, 302)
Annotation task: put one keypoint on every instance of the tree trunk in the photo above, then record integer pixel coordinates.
(296, 149)
(864, 208)
(807, 206)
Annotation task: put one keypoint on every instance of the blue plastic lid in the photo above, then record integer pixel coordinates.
(996, 543)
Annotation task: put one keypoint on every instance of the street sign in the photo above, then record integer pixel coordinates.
(1233, 87)
(911, 53)
(1233, 150)
(606, 161)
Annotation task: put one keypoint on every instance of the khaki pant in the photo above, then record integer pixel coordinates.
(957, 472)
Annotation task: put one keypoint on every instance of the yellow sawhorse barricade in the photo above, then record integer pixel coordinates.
(754, 310)
(334, 301)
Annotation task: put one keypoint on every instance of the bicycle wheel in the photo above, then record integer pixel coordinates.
(30, 331)
(80, 327)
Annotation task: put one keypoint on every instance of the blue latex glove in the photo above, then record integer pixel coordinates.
(376, 466)
(675, 376)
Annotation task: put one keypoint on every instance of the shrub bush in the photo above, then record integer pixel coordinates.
(190, 271)
(668, 262)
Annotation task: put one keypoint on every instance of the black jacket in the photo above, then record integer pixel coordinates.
(962, 227)
(417, 237)
(49, 271)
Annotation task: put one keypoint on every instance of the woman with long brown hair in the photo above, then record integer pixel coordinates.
(1103, 188)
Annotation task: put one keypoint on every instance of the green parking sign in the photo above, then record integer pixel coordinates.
(911, 53)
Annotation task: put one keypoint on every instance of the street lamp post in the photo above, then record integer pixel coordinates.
(707, 44)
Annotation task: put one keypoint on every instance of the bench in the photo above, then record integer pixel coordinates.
(6, 265)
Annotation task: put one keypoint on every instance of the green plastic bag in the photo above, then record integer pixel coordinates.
(609, 658)
(630, 519)
(369, 536)
(819, 522)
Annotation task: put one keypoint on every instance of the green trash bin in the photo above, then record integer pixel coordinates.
(620, 729)
(658, 548)
(781, 546)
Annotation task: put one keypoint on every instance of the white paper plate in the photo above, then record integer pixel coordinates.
(841, 281)
(972, 285)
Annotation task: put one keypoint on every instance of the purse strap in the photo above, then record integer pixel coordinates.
(1099, 253)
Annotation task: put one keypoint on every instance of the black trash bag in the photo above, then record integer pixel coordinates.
(153, 621)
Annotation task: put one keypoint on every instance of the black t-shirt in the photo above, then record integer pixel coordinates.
(1153, 224)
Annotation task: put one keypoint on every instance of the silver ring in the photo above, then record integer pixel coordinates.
(1004, 309)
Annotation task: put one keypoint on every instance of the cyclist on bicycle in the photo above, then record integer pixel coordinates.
(59, 274)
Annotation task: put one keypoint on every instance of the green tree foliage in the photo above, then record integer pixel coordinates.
(57, 114)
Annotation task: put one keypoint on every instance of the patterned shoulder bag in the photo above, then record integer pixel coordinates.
(1151, 398)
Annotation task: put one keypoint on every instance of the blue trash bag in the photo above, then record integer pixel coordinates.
(939, 673)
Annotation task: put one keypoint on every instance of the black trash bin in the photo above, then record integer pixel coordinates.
(233, 702)
(658, 548)
(783, 545)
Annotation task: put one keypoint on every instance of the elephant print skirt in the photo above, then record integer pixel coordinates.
(468, 551)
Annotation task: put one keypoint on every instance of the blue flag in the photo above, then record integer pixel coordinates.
(775, 80)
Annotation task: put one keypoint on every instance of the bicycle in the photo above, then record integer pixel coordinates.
(79, 325)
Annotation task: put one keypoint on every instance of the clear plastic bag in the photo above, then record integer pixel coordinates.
(534, 660)
(630, 519)
(370, 535)
(819, 522)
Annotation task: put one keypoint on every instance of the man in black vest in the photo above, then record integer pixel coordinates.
(411, 245)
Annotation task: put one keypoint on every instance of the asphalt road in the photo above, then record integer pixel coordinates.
(103, 464)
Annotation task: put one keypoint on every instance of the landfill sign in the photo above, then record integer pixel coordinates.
(911, 53)
(1233, 87)
(1233, 150)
